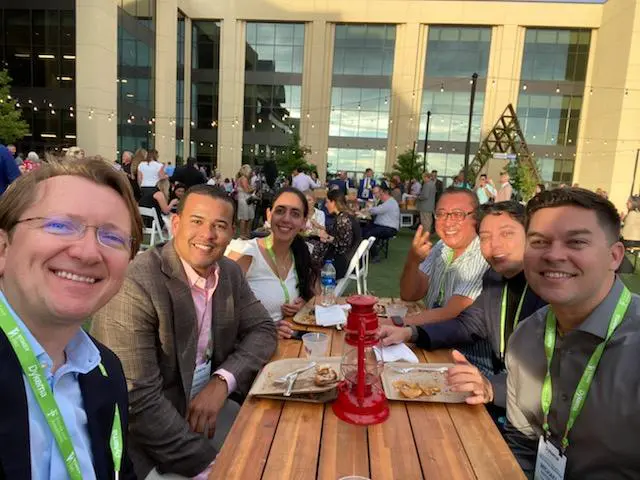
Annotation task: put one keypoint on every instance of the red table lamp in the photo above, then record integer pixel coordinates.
(361, 399)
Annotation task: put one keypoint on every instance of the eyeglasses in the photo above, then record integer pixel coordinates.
(109, 237)
(455, 215)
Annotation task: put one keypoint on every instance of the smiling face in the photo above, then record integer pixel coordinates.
(287, 217)
(202, 231)
(502, 241)
(456, 234)
(569, 261)
(56, 278)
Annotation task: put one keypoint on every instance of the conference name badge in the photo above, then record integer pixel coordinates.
(201, 377)
(550, 463)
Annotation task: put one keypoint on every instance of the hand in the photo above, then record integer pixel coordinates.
(420, 245)
(290, 309)
(204, 407)
(392, 335)
(464, 377)
(173, 203)
(284, 329)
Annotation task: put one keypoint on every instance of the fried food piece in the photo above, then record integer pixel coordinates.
(429, 390)
(325, 375)
(407, 389)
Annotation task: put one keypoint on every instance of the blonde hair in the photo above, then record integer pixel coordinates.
(19, 196)
(140, 156)
(245, 170)
(75, 153)
(165, 187)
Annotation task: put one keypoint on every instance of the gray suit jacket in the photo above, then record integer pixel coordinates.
(427, 197)
(151, 325)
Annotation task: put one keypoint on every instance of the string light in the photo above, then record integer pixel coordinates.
(442, 87)
(524, 87)
(557, 88)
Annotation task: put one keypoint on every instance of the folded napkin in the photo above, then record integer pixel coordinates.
(394, 353)
(333, 315)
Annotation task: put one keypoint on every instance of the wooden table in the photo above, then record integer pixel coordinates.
(277, 440)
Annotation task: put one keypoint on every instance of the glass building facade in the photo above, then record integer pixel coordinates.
(273, 88)
(453, 55)
(136, 74)
(360, 97)
(205, 82)
(552, 85)
(38, 49)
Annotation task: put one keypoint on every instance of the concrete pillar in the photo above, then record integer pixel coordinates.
(232, 58)
(96, 87)
(316, 91)
(186, 121)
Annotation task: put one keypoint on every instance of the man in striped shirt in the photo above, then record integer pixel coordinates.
(448, 275)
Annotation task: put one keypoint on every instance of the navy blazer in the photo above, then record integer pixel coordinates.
(99, 394)
(372, 183)
(480, 321)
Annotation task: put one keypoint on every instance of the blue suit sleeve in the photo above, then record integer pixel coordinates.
(9, 166)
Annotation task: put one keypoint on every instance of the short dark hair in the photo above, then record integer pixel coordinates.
(213, 191)
(191, 161)
(483, 175)
(463, 191)
(369, 170)
(608, 217)
(512, 208)
(542, 187)
(384, 186)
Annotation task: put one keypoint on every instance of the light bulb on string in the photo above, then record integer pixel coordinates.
(524, 87)
(442, 87)
(557, 88)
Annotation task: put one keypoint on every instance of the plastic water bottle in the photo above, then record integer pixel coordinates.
(328, 281)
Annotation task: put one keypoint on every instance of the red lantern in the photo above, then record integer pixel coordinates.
(361, 399)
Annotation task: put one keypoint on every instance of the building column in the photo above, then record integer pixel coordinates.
(406, 89)
(186, 120)
(231, 95)
(165, 81)
(96, 87)
(503, 81)
(316, 92)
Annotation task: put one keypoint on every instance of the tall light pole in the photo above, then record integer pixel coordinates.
(426, 142)
(467, 148)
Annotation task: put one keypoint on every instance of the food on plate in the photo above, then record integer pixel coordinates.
(380, 309)
(415, 390)
(325, 375)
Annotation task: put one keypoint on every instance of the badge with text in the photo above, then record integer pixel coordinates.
(201, 377)
(550, 463)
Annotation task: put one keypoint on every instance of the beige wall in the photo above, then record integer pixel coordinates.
(96, 87)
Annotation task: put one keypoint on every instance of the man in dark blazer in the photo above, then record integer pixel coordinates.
(55, 273)
(188, 175)
(365, 188)
(189, 332)
(502, 240)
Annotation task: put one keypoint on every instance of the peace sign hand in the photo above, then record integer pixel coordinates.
(420, 245)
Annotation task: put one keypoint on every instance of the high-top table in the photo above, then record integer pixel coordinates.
(278, 440)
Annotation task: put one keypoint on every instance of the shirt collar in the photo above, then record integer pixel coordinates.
(597, 323)
(195, 280)
(82, 354)
(474, 245)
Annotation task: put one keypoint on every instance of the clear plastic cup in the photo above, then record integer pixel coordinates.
(315, 344)
(397, 310)
(354, 477)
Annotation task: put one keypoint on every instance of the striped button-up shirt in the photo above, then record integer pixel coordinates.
(462, 276)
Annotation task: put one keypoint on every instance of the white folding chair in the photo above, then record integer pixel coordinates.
(154, 230)
(355, 271)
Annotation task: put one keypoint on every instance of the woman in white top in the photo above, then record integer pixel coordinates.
(150, 171)
(316, 219)
(278, 267)
(246, 212)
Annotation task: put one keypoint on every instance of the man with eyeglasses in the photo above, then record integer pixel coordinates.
(448, 275)
(192, 337)
(67, 234)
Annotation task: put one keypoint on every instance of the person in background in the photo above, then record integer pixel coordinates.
(18, 157)
(188, 175)
(439, 185)
(339, 183)
(631, 229)
(158, 199)
(573, 383)
(76, 153)
(228, 185)
(178, 190)
(386, 220)
(540, 188)
(365, 188)
(191, 336)
(150, 171)
(427, 202)
(278, 268)
(9, 171)
(396, 189)
(31, 163)
(459, 182)
(246, 211)
(415, 187)
(302, 181)
(316, 219)
(315, 179)
(506, 190)
(504, 289)
(67, 233)
(169, 168)
(342, 237)
(485, 190)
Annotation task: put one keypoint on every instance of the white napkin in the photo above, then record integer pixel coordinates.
(333, 315)
(394, 353)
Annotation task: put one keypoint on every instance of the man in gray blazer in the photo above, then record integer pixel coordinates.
(427, 201)
(189, 333)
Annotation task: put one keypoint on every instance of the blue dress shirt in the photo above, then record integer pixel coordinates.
(82, 357)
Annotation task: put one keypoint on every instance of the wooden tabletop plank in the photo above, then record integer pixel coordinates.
(246, 448)
(296, 444)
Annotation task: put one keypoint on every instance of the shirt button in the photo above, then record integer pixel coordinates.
(564, 397)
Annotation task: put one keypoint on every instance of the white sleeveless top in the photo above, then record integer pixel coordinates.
(150, 173)
(263, 282)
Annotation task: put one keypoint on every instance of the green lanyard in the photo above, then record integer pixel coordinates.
(48, 405)
(581, 392)
(268, 245)
(444, 276)
(503, 315)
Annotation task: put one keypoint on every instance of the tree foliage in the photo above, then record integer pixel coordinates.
(408, 167)
(12, 126)
(294, 157)
(524, 177)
